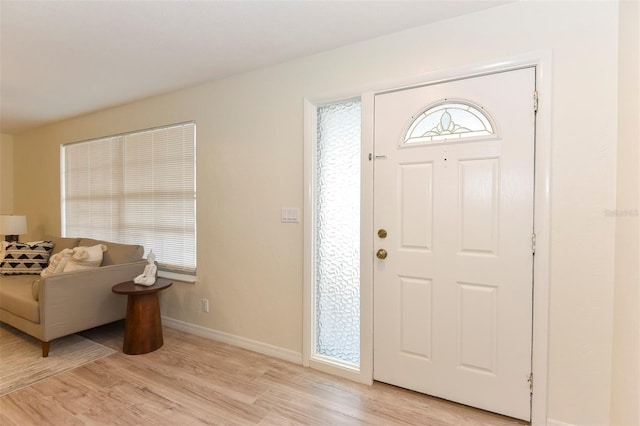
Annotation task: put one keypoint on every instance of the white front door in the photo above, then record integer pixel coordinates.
(454, 181)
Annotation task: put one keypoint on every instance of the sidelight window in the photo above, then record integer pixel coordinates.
(337, 233)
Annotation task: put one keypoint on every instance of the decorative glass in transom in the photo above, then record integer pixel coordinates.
(449, 120)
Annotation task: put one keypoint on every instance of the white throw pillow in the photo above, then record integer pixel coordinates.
(57, 262)
(85, 258)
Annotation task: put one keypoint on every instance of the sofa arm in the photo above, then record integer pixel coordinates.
(75, 301)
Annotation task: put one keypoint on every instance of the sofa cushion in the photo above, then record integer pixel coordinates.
(61, 243)
(26, 258)
(116, 253)
(35, 289)
(16, 297)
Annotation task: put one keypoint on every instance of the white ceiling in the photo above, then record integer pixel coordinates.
(59, 59)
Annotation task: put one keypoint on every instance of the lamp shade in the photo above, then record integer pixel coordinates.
(13, 225)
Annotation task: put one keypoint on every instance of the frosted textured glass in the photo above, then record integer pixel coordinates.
(337, 287)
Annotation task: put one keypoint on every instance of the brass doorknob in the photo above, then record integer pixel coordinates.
(382, 233)
(381, 254)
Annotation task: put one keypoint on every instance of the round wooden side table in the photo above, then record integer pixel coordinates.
(143, 326)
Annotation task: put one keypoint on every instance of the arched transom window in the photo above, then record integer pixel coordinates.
(449, 120)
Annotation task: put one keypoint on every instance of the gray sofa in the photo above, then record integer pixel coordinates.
(70, 302)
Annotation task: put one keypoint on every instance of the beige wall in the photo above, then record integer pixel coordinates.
(625, 396)
(6, 174)
(250, 136)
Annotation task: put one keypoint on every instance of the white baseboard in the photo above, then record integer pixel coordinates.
(551, 422)
(242, 342)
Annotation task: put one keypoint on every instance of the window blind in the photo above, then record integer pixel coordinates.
(135, 188)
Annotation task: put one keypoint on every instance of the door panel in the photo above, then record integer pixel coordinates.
(416, 216)
(478, 201)
(416, 309)
(452, 301)
(477, 326)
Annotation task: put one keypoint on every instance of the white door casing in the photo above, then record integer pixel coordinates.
(453, 299)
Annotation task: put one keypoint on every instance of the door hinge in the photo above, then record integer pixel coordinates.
(535, 101)
(533, 243)
(530, 380)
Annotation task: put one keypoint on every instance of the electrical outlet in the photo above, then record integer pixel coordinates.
(204, 304)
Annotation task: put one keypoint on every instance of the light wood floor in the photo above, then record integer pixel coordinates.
(193, 380)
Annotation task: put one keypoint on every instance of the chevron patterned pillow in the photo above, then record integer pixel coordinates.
(25, 258)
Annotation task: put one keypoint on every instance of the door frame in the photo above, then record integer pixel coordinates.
(542, 62)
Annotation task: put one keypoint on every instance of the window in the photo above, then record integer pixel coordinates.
(337, 232)
(449, 120)
(135, 188)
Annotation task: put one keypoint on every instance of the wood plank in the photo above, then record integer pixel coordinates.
(193, 380)
(69, 393)
(28, 407)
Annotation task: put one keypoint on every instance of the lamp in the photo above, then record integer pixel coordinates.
(12, 226)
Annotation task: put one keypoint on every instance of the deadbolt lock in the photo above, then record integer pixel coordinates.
(382, 233)
(381, 254)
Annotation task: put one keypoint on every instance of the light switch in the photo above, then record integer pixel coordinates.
(290, 215)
